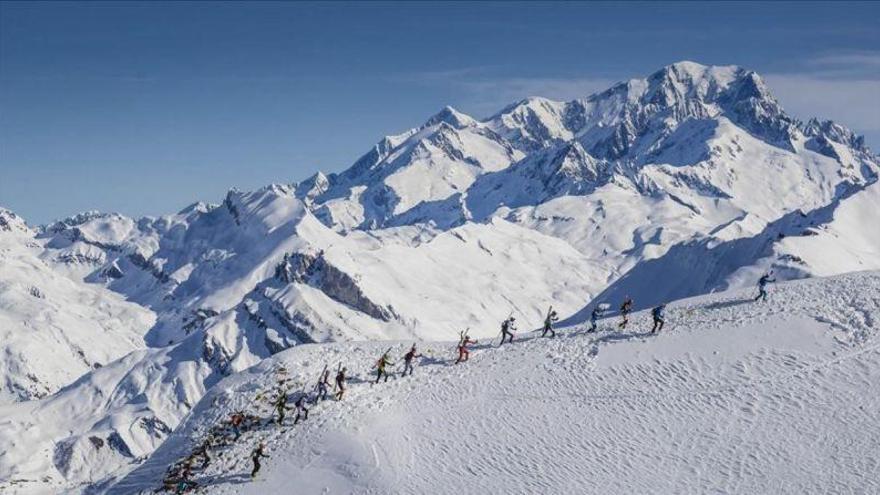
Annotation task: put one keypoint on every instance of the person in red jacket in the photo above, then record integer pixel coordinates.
(463, 353)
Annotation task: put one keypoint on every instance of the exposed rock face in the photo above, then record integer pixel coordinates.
(314, 270)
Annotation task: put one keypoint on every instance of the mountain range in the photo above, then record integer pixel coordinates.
(689, 181)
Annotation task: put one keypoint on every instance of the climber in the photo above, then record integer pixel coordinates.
(281, 406)
(301, 410)
(548, 323)
(381, 364)
(507, 329)
(340, 383)
(597, 313)
(236, 421)
(184, 483)
(463, 353)
(323, 385)
(762, 285)
(659, 314)
(255, 456)
(625, 309)
(408, 359)
(204, 451)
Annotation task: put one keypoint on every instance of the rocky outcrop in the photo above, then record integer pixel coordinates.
(316, 271)
(138, 260)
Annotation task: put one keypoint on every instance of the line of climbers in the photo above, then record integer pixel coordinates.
(179, 475)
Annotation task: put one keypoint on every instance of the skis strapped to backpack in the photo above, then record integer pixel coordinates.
(320, 379)
(335, 381)
(385, 354)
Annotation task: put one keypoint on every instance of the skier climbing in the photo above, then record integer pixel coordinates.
(659, 314)
(463, 352)
(762, 285)
(323, 385)
(340, 383)
(183, 486)
(381, 364)
(255, 456)
(301, 410)
(204, 451)
(236, 421)
(548, 322)
(184, 483)
(281, 406)
(408, 359)
(507, 329)
(625, 309)
(594, 317)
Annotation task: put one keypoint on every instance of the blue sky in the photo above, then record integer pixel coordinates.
(143, 108)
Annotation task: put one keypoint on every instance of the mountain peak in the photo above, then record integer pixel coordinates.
(693, 81)
(313, 187)
(829, 129)
(452, 117)
(687, 70)
(9, 221)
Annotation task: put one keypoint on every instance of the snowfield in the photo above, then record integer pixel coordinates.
(732, 396)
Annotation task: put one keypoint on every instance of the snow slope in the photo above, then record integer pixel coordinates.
(732, 397)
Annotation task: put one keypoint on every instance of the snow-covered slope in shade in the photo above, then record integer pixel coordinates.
(54, 329)
(732, 396)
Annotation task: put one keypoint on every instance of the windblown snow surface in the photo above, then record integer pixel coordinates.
(733, 396)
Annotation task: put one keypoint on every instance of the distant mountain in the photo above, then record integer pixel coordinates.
(689, 181)
(54, 329)
(683, 116)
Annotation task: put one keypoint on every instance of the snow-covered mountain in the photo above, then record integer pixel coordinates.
(689, 181)
(686, 158)
(54, 329)
(234, 284)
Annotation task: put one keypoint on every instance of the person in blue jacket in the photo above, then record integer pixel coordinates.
(765, 279)
(659, 314)
(594, 317)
